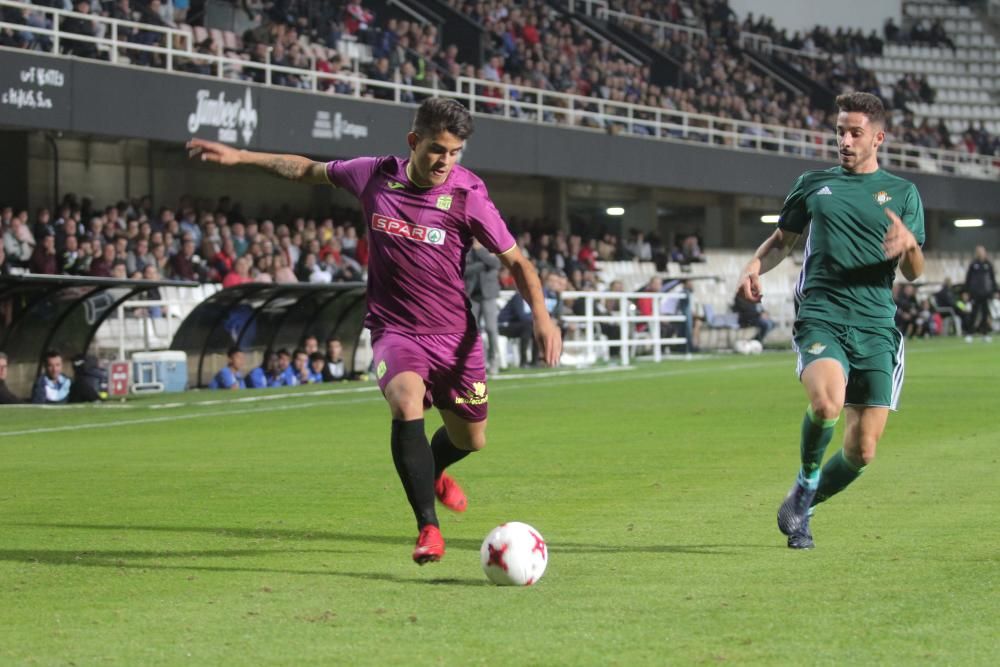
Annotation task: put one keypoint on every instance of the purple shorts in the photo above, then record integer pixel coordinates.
(452, 366)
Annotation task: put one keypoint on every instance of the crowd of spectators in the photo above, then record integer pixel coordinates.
(216, 242)
(194, 241)
(535, 45)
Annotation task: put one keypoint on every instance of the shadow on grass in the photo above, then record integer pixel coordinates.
(124, 560)
(453, 543)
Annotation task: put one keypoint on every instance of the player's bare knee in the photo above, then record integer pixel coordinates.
(468, 441)
(477, 441)
(826, 408)
(862, 453)
(405, 408)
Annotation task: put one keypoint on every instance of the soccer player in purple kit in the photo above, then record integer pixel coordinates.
(422, 214)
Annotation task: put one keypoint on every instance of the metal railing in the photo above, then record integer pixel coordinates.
(512, 102)
(585, 337)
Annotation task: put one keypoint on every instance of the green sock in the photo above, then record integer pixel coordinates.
(837, 474)
(816, 435)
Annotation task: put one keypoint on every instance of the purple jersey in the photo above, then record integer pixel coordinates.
(418, 238)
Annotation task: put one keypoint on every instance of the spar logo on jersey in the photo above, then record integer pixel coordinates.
(394, 227)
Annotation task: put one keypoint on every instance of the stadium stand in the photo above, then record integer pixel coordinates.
(692, 71)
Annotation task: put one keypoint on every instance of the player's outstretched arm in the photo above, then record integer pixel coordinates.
(547, 334)
(292, 167)
(900, 242)
(768, 255)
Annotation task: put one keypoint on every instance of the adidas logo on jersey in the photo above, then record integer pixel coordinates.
(825, 190)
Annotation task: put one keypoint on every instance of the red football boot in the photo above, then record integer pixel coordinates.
(430, 545)
(450, 493)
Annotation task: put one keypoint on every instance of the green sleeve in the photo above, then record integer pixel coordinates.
(794, 214)
(913, 214)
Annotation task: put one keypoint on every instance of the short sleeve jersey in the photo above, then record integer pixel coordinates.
(845, 276)
(418, 239)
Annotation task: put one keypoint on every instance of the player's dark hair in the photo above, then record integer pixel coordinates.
(52, 353)
(866, 103)
(283, 352)
(316, 356)
(439, 114)
(232, 350)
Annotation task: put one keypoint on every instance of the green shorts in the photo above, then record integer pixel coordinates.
(872, 358)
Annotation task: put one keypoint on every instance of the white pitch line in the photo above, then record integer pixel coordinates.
(555, 378)
(170, 418)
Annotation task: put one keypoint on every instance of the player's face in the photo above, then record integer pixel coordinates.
(432, 158)
(238, 360)
(858, 140)
(3, 369)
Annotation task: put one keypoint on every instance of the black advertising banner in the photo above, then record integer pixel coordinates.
(35, 90)
(119, 101)
(332, 126)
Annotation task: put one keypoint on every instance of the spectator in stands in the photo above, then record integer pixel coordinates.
(104, 264)
(310, 345)
(752, 314)
(18, 240)
(300, 367)
(52, 386)
(335, 369)
(80, 26)
(638, 247)
(185, 264)
(44, 259)
(282, 272)
(265, 375)
(981, 283)
(239, 275)
(230, 376)
(482, 286)
(286, 374)
(316, 366)
(516, 320)
(6, 396)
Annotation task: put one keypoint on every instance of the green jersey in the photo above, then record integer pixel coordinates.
(846, 277)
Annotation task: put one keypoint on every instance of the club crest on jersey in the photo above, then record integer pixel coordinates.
(444, 202)
(477, 396)
(882, 197)
(394, 227)
(816, 348)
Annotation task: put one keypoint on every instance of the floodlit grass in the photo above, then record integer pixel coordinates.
(275, 532)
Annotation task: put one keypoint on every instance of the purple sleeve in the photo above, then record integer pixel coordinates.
(487, 224)
(351, 175)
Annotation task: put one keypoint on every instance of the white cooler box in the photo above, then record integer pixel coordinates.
(154, 372)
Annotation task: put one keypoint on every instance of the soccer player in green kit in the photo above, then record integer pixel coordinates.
(864, 223)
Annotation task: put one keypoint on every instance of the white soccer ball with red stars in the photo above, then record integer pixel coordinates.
(514, 554)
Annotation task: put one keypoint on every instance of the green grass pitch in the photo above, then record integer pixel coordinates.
(218, 532)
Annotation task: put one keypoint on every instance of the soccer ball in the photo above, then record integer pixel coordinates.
(514, 554)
